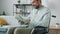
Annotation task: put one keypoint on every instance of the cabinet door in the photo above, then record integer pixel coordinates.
(59, 31)
(53, 31)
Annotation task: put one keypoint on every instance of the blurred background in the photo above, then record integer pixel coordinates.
(9, 8)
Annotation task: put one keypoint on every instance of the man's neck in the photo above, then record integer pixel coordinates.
(38, 7)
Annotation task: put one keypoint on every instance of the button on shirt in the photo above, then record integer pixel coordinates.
(39, 17)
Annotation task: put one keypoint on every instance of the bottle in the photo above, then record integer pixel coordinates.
(18, 1)
(4, 13)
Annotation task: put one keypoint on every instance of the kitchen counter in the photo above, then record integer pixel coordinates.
(54, 29)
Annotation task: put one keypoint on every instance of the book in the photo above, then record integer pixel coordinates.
(21, 19)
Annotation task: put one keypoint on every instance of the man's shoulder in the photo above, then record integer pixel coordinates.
(46, 9)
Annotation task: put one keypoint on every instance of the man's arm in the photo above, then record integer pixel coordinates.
(28, 18)
(45, 20)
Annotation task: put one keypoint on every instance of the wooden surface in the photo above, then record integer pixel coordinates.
(54, 30)
(54, 27)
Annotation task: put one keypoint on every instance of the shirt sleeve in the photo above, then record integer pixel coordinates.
(29, 16)
(45, 20)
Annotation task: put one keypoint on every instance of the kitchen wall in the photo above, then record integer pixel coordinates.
(54, 5)
(0, 7)
(7, 5)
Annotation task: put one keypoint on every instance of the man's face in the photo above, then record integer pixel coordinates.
(36, 3)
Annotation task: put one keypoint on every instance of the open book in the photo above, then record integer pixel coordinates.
(21, 19)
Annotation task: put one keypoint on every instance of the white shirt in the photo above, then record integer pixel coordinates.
(40, 17)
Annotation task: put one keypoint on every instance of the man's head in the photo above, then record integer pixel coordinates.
(36, 3)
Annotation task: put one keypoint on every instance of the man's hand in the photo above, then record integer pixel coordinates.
(28, 21)
(21, 22)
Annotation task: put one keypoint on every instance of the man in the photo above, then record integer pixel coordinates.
(40, 15)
